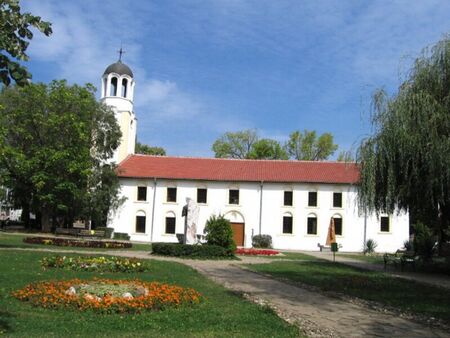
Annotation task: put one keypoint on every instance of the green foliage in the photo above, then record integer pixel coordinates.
(267, 149)
(121, 236)
(55, 140)
(235, 145)
(191, 251)
(369, 246)
(15, 36)
(108, 231)
(144, 149)
(405, 164)
(218, 232)
(307, 146)
(424, 241)
(94, 264)
(58, 241)
(262, 241)
(346, 156)
(408, 245)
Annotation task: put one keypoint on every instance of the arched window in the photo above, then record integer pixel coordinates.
(113, 91)
(338, 224)
(287, 223)
(312, 224)
(140, 222)
(124, 87)
(104, 86)
(170, 223)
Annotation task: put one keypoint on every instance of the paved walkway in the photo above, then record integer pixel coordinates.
(322, 316)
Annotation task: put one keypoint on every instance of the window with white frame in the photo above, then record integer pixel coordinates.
(141, 193)
(311, 225)
(287, 224)
(202, 195)
(140, 222)
(385, 225)
(288, 198)
(233, 196)
(338, 225)
(337, 200)
(171, 194)
(170, 225)
(312, 199)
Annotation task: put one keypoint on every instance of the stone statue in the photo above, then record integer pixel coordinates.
(190, 211)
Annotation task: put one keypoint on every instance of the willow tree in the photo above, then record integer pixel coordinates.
(405, 164)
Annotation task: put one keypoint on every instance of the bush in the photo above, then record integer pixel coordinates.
(408, 245)
(218, 232)
(370, 246)
(194, 251)
(122, 236)
(108, 231)
(262, 241)
(424, 241)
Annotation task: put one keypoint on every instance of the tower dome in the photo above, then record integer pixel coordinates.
(119, 68)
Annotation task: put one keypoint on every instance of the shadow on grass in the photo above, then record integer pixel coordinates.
(5, 317)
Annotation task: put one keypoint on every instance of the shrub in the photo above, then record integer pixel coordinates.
(108, 231)
(408, 245)
(218, 232)
(370, 246)
(122, 236)
(262, 241)
(194, 251)
(424, 241)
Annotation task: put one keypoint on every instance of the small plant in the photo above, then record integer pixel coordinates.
(218, 232)
(262, 241)
(370, 246)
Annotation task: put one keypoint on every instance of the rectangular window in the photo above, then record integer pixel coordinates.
(288, 198)
(140, 224)
(384, 224)
(337, 200)
(233, 196)
(171, 194)
(170, 225)
(312, 199)
(312, 226)
(142, 193)
(338, 226)
(202, 195)
(287, 224)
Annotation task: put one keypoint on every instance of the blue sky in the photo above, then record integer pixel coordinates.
(206, 67)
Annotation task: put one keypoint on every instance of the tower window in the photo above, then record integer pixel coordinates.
(113, 91)
(124, 87)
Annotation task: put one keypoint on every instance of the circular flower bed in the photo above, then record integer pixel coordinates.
(254, 252)
(77, 242)
(105, 295)
(97, 264)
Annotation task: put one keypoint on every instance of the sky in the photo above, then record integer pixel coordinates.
(203, 68)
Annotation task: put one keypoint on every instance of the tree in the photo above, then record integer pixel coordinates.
(267, 149)
(235, 145)
(346, 156)
(405, 163)
(55, 141)
(148, 150)
(15, 34)
(307, 146)
(218, 232)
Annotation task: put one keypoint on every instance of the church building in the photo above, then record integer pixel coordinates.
(292, 201)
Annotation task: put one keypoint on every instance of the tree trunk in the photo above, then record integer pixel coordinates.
(26, 215)
(45, 221)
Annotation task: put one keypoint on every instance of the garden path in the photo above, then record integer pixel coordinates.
(317, 314)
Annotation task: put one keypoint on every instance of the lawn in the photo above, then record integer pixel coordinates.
(223, 314)
(368, 285)
(12, 240)
(374, 259)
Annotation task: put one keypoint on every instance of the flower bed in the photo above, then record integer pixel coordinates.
(97, 264)
(105, 295)
(254, 252)
(77, 242)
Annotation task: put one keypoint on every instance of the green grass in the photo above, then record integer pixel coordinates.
(223, 314)
(295, 256)
(374, 259)
(374, 286)
(11, 240)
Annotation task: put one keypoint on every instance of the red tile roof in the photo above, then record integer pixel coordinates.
(215, 169)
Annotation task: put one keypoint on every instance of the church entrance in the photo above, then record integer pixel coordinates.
(238, 233)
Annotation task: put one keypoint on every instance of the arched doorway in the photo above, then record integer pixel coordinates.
(237, 225)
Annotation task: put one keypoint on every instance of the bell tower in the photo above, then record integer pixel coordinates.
(117, 92)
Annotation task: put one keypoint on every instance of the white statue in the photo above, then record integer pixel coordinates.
(191, 211)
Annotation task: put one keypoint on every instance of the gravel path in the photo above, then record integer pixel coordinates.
(316, 314)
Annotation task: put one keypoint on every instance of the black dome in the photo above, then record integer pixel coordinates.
(119, 68)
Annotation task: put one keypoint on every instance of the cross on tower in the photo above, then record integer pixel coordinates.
(120, 51)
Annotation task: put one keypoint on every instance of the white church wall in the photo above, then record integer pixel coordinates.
(248, 210)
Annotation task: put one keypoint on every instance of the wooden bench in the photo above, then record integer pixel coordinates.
(66, 231)
(91, 233)
(401, 258)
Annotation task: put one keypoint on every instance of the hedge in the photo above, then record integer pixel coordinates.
(194, 251)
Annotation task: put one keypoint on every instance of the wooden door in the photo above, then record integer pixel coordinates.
(238, 233)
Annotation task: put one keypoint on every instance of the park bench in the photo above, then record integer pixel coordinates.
(91, 233)
(401, 258)
(66, 231)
